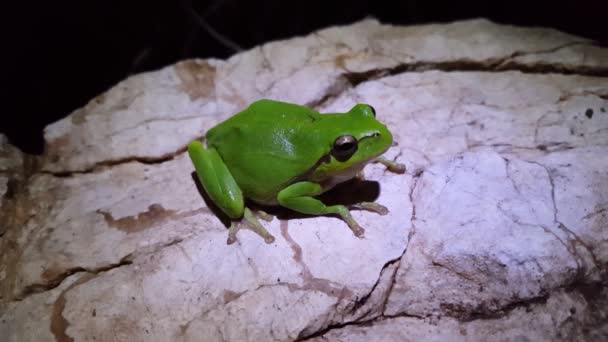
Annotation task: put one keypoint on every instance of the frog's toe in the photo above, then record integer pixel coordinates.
(354, 226)
(371, 206)
(360, 232)
(392, 166)
(234, 228)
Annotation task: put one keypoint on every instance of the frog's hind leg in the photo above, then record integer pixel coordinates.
(300, 197)
(223, 189)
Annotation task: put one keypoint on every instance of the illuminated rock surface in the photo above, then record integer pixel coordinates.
(499, 229)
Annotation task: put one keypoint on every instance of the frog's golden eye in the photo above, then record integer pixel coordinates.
(344, 147)
(373, 110)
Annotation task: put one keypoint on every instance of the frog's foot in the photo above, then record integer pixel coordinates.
(256, 226)
(352, 224)
(391, 165)
(253, 224)
(264, 215)
(370, 206)
(234, 228)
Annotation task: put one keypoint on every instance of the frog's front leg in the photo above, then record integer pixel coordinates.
(299, 197)
(223, 189)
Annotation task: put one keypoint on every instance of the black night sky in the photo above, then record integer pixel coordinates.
(59, 54)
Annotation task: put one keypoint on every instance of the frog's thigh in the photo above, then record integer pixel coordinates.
(217, 179)
(299, 197)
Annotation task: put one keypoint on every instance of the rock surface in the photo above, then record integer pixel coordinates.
(498, 231)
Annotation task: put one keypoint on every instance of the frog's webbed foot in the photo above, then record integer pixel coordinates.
(370, 206)
(392, 166)
(253, 224)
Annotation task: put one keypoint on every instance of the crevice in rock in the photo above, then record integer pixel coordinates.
(100, 166)
(361, 323)
(468, 65)
(508, 148)
(58, 279)
(322, 332)
(363, 300)
(360, 302)
(590, 292)
(464, 315)
(412, 232)
(575, 239)
(339, 86)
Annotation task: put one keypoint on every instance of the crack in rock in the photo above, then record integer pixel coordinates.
(359, 303)
(416, 177)
(126, 260)
(574, 238)
(59, 278)
(589, 291)
(102, 165)
(464, 65)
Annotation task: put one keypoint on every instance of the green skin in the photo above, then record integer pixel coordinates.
(278, 153)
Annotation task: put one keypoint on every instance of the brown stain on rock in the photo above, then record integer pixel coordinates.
(197, 78)
(229, 296)
(8, 205)
(79, 117)
(330, 288)
(59, 324)
(15, 211)
(142, 221)
(57, 147)
(340, 62)
(52, 273)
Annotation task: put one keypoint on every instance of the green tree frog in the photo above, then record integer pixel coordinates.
(277, 153)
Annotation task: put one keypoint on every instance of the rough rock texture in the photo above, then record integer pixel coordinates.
(498, 231)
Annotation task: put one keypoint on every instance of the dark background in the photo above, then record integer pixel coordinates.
(57, 55)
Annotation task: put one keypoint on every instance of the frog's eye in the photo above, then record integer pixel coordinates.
(373, 110)
(344, 147)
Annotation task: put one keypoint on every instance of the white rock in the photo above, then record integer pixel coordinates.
(497, 231)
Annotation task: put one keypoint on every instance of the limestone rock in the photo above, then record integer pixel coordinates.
(499, 229)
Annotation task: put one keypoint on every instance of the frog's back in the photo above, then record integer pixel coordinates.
(268, 146)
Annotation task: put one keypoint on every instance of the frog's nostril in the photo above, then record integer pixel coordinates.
(376, 134)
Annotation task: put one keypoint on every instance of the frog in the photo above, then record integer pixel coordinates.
(276, 153)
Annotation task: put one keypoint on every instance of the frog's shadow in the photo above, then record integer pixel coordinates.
(347, 193)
